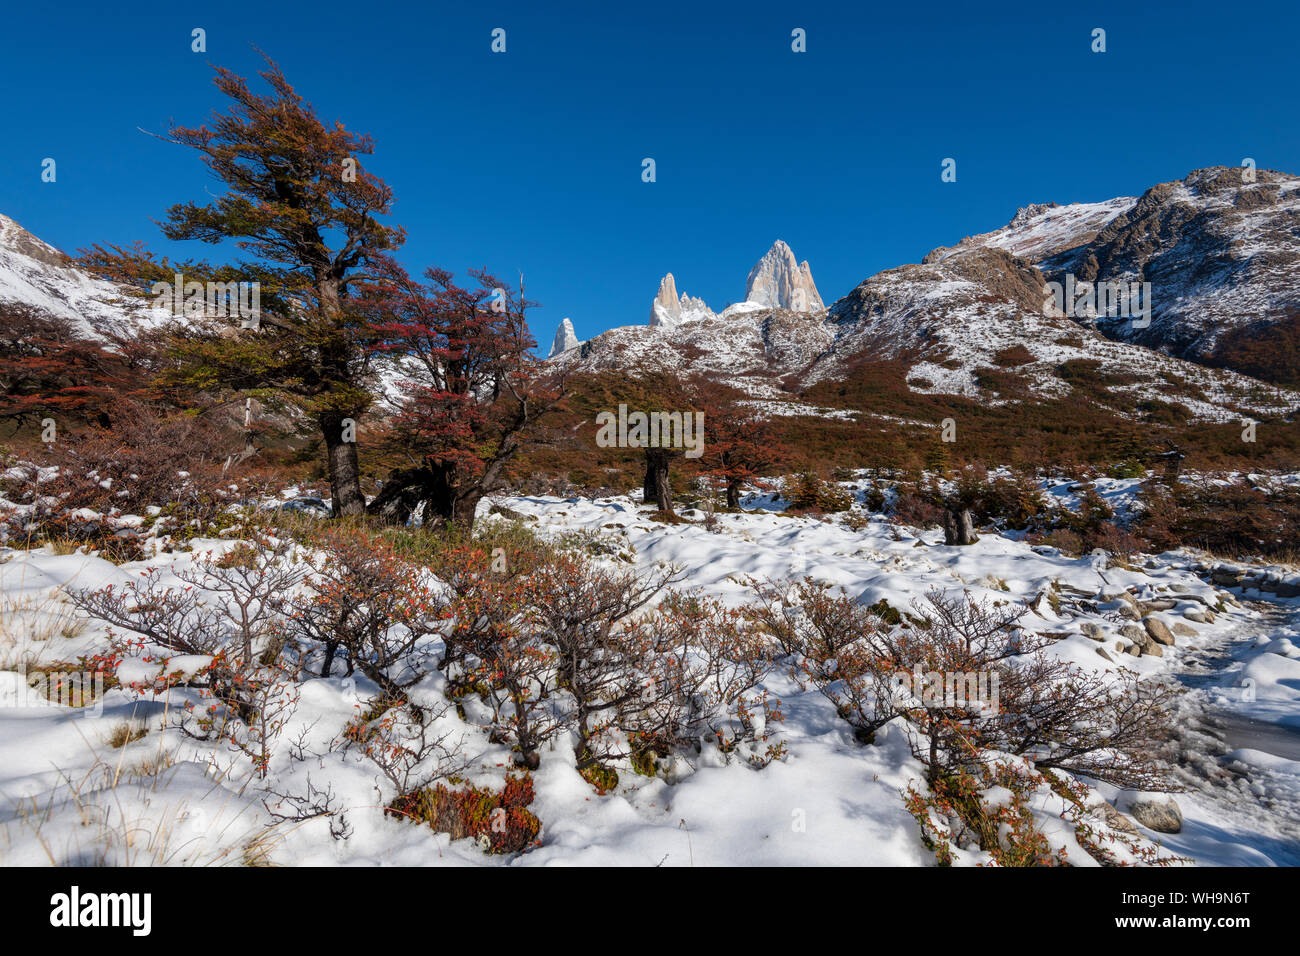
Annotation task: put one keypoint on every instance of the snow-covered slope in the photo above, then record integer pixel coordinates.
(34, 273)
(961, 315)
(1220, 250)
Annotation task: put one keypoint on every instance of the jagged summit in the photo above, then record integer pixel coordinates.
(565, 339)
(778, 281)
(668, 309)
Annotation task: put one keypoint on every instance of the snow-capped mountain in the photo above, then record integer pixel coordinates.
(668, 309)
(777, 281)
(1220, 248)
(565, 339)
(34, 273)
(973, 319)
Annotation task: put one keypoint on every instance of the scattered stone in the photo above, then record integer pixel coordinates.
(1159, 813)
(1226, 577)
(1161, 604)
(1130, 612)
(1152, 649)
(1102, 652)
(1116, 820)
(1093, 630)
(1200, 617)
(1184, 630)
(1133, 633)
(1159, 631)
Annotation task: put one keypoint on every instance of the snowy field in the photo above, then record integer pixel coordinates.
(72, 792)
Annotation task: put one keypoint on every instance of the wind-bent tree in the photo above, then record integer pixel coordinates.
(299, 201)
(473, 397)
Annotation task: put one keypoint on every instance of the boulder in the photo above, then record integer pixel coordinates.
(1159, 631)
(1160, 604)
(1157, 812)
(1133, 633)
(1093, 630)
(1116, 820)
(1228, 577)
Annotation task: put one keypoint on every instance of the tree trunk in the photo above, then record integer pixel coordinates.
(345, 475)
(958, 526)
(657, 488)
(733, 495)
(399, 495)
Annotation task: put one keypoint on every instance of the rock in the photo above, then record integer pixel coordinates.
(1133, 633)
(1093, 630)
(1116, 820)
(1200, 617)
(666, 309)
(1130, 612)
(1289, 588)
(1227, 577)
(1152, 649)
(1184, 630)
(778, 281)
(1102, 652)
(1159, 631)
(510, 513)
(1134, 650)
(1159, 813)
(1161, 604)
(669, 310)
(565, 339)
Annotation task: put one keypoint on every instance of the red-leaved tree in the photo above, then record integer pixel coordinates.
(473, 395)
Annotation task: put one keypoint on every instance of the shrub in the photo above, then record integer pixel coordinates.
(810, 493)
(500, 821)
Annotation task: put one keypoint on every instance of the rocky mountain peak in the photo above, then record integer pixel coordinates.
(1026, 213)
(565, 339)
(666, 309)
(14, 238)
(779, 281)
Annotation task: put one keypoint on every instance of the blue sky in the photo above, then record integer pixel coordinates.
(531, 160)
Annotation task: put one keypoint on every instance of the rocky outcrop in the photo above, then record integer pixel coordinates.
(565, 339)
(669, 310)
(666, 309)
(778, 281)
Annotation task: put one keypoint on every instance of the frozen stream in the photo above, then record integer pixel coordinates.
(1239, 747)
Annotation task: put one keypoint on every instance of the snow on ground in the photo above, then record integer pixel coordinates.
(68, 796)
